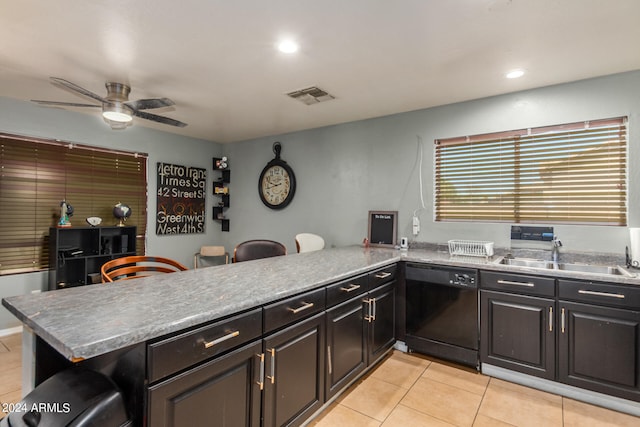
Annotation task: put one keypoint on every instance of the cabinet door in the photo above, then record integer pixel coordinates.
(222, 392)
(600, 349)
(346, 344)
(518, 333)
(294, 373)
(382, 327)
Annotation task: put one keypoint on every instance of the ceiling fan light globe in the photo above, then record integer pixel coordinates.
(116, 125)
(117, 116)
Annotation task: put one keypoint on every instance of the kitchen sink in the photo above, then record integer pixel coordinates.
(576, 267)
(527, 262)
(595, 269)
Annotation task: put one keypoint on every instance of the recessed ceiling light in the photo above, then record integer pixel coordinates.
(514, 74)
(288, 46)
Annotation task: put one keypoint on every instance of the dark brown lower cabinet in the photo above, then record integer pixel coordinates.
(599, 349)
(382, 324)
(518, 333)
(359, 332)
(222, 392)
(294, 373)
(346, 344)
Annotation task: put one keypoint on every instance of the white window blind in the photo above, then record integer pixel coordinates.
(572, 174)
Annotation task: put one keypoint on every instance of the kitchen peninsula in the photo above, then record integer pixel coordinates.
(129, 330)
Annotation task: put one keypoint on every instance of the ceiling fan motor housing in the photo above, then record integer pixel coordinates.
(117, 91)
(117, 95)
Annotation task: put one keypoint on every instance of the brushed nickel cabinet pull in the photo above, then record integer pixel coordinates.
(550, 319)
(303, 307)
(369, 316)
(210, 344)
(509, 282)
(562, 320)
(601, 294)
(272, 377)
(329, 359)
(373, 310)
(351, 288)
(382, 275)
(261, 379)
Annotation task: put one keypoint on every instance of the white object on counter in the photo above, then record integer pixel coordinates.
(471, 248)
(634, 235)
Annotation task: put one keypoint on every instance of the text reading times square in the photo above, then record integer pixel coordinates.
(181, 176)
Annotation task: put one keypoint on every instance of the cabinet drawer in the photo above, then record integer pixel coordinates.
(382, 275)
(342, 291)
(176, 353)
(518, 283)
(609, 294)
(293, 309)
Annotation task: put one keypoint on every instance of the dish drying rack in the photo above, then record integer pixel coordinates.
(471, 248)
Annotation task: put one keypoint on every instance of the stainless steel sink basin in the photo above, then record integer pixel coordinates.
(527, 262)
(579, 268)
(595, 269)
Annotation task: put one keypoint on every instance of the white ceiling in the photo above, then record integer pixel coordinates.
(217, 58)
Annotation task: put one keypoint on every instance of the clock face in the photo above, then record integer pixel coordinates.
(277, 185)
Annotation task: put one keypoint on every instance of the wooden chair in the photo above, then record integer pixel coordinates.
(209, 253)
(308, 242)
(256, 249)
(132, 267)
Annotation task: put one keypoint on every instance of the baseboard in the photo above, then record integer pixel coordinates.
(599, 399)
(10, 331)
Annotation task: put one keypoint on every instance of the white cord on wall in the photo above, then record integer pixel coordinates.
(416, 220)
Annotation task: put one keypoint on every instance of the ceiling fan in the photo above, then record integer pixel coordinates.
(117, 110)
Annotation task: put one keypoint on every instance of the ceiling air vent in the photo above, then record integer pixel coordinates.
(311, 95)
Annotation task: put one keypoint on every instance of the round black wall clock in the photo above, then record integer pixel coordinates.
(277, 184)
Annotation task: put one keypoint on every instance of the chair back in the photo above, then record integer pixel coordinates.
(209, 253)
(308, 242)
(256, 249)
(132, 267)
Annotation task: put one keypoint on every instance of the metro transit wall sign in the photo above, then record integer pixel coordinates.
(181, 199)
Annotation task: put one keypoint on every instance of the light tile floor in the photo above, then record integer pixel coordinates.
(408, 390)
(10, 369)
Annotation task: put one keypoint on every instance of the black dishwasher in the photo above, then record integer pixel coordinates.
(442, 312)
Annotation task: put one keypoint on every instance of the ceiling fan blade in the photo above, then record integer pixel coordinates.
(159, 119)
(149, 104)
(65, 104)
(74, 87)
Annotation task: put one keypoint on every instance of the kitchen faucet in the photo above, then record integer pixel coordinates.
(555, 251)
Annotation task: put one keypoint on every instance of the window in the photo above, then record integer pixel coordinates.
(36, 175)
(570, 174)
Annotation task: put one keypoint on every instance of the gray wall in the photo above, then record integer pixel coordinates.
(346, 170)
(25, 118)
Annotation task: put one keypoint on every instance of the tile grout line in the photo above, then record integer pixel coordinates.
(406, 392)
(387, 382)
(475, 417)
(435, 380)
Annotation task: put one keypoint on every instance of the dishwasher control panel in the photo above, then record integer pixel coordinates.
(439, 275)
(463, 279)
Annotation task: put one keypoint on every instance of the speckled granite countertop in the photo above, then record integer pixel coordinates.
(87, 321)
